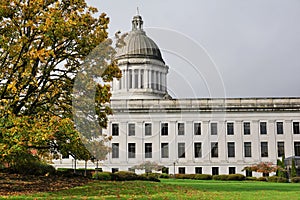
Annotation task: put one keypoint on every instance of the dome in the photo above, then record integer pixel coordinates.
(138, 44)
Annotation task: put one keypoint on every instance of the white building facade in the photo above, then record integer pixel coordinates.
(209, 136)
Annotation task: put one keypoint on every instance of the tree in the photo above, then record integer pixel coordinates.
(293, 170)
(43, 46)
(148, 166)
(281, 171)
(263, 167)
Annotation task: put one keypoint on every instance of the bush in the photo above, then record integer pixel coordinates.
(235, 177)
(163, 175)
(262, 179)
(36, 168)
(103, 176)
(184, 176)
(273, 179)
(125, 176)
(250, 178)
(222, 177)
(203, 177)
(282, 180)
(295, 180)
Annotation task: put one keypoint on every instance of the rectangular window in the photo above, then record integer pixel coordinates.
(165, 170)
(136, 79)
(214, 150)
(148, 129)
(130, 79)
(246, 128)
(131, 170)
(181, 150)
(264, 149)
(164, 150)
(197, 128)
(248, 173)
(115, 150)
(214, 129)
(115, 129)
(296, 128)
(297, 148)
(180, 128)
(197, 150)
(148, 150)
(215, 170)
(131, 129)
(181, 170)
(231, 170)
(198, 170)
(247, 149)
(164, 128)
(230, 129)
(280, 149)
(231, 149)
(279, 127)
(131, 150)
(263, 128)
(113, 170)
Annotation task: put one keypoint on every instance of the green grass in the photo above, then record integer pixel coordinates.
(175, 189)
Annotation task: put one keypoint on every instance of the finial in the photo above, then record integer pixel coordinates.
(137, 10)
(137, 22)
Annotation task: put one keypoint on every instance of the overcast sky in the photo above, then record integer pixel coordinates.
(231, 48)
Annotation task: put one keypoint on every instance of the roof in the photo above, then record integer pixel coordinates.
(138, 44)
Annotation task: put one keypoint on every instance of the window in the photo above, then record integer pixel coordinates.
(280, 149)
(297, 148)
(115, 150)
(164, 150)
(197, 150)
(142, 78)
(248, 173)
(264, 149)
(279, 127)
(164, 129)
(113, 170)
(136, 79)
(131, 129)
(231, 170)
(131, 170)
(148, 129)
(198, 170)
(131, 150)
(214, 149)
(181, 170)
(213, 128)
(215, 170)
(148, 150)
(246, 128)
(165, 170)
(115, 129)
(180, 127)
(263, 128)
(247, 149)
(230, 130)
(181, 150)
(130, 79)
(197, 128)
(231, 149)
(296, 128)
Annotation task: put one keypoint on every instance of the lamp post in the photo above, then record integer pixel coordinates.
(174, 163)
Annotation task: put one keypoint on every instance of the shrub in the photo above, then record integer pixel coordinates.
(282, 180)
(125, 176)
(103, 176)
(235, 177)
(203, 177)
(33, 168)
(262, 179)
(250, 178)
(222, 177)
(295, 180)
(163, 175)
(273, 179)
(185, 176)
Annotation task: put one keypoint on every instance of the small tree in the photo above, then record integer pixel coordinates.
(281, 171)
(263, 167)
(293, 170)
(149, 167)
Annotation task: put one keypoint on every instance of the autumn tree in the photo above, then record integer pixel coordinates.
(44, 48)
(263, 167)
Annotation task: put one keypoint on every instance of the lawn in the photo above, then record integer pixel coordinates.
(174, 189)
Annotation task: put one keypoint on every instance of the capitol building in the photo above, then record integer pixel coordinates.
(197, 135)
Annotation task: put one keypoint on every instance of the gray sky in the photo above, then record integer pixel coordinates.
(250, 48)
